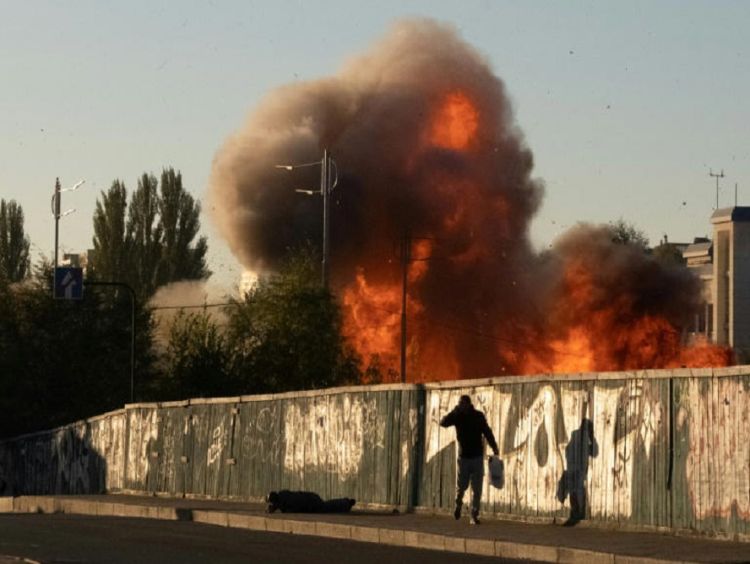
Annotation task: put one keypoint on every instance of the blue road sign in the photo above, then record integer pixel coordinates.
(68, 283)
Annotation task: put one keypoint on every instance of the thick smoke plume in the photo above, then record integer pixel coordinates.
(168, 300)
(427, 148)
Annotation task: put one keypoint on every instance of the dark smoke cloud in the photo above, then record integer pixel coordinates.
(642, 284)
(372, 116)
(473, 206)
(610, 289)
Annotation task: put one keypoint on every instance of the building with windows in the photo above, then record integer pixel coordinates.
(77, 260)
(723, 265)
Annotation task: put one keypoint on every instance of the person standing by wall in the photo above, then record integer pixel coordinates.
(470, 425)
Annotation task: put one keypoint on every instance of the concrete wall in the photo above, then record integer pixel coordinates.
(666, 448)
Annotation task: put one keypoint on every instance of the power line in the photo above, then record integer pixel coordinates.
(198, 306)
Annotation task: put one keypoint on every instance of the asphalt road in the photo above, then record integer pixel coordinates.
(73, 539)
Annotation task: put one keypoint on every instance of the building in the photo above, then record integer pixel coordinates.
(699, 257)
(723, 266)
(77, 260)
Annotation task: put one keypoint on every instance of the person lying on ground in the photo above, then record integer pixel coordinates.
(306, 502)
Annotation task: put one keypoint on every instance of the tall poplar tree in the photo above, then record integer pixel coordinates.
(179, 218)
(14, 243)
(151, 240)
(145, 232)
(112, 246)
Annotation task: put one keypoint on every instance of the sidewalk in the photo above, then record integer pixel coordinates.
(510, 539)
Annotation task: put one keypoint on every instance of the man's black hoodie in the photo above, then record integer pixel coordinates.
(470, 426)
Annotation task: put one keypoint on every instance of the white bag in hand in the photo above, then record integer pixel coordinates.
(497, 472)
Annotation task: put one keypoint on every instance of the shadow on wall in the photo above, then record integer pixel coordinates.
(56, 462)
(437, 488)
(572, 484)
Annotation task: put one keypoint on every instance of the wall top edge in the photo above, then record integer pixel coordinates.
(729, 371)
(741, 370)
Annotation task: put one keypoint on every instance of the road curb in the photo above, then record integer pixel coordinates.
(278, 524)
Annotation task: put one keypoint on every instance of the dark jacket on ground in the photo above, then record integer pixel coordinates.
(470, 426)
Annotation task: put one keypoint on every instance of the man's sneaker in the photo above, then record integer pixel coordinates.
(457, 511)
(474, 520)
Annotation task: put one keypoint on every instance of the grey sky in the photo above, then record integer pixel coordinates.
(625, 105)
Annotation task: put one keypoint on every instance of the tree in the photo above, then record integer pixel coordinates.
(112, 246)
(197, 359)
(286, 333)
(157, 244)
(179, 217)
(624, 233)
(14, 244)
(145, 233)
(62, 360)
(668, 253)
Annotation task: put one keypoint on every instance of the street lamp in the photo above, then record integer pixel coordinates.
(327, 166)
(56, 208)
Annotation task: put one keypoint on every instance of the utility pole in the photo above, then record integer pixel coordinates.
(324, 190)
(717, 176)
(405, 260)
(329, 178)
(56, 196)
(56, 213)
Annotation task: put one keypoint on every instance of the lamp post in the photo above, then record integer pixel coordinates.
(329, 178)
(56, 199)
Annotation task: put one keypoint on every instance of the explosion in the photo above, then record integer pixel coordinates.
(431, 162)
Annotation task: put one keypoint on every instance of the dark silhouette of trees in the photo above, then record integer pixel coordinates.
(63, 360)
(286, 333)
(179, 218)
(112, 246)
(151, 241)
(14, 243)
(145, 234)
(197, 360)
(625, 233)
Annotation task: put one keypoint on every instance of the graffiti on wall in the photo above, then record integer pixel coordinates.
(563, 447)
(715, 418)
(108, 439)
(143, 431)
(261, 439)
(330, 434)
(597, 449)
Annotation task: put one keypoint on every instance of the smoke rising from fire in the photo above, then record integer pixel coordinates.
(168, 300)
(424, 137)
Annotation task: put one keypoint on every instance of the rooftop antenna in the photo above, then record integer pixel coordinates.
(717, 176)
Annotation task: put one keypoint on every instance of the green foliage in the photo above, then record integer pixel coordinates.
(197, 359)
(112, 246)
(286, 333)
(61, 361)
(668, 253)
(145, 234)
(624, 233)
(179, 219)
(14, 244)
(64, 360)
(155, 244)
